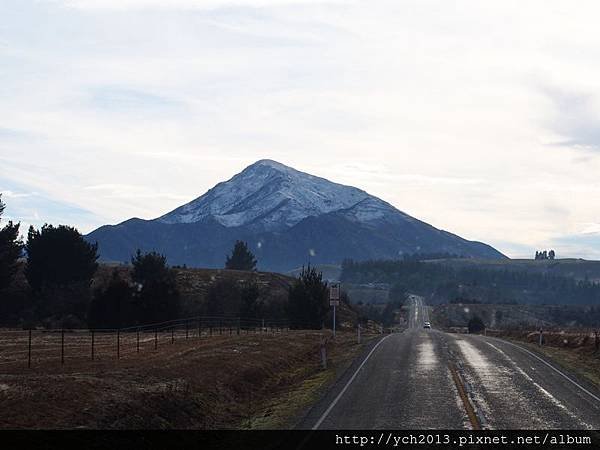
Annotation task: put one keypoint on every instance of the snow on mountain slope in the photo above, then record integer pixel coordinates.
(287, 217)
(271, 193)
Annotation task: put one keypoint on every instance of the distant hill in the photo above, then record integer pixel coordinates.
(579, 269)
(287, 217)
(476, 281)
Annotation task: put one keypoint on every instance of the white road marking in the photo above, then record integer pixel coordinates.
(334, 402)
(595, 397)
(548, 395)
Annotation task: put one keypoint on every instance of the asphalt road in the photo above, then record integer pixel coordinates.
(406, 381)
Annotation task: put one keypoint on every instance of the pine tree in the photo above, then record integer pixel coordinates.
(59, 256)
(241, 258)
(11, 248)
(60, 267)
(307, 305)
(157, 297)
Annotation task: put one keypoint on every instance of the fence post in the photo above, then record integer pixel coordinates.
(186, 329)
(155, 339)
(29, 351)
(118, 343)
(137, 332)
(173, 335)
(62, 346)
(221, 327)
(238, 326)
(92, 345)
(199, 328)
(359, 333)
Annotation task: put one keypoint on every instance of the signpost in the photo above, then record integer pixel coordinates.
(334, 300)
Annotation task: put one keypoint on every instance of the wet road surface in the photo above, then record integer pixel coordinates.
(404, 381)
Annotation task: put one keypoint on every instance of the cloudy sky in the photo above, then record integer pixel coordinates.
(481, 118)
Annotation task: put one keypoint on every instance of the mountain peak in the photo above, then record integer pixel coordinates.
(285, 215)
(270, 163)
(270, 196)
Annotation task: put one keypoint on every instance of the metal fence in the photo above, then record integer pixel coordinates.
(36, 346)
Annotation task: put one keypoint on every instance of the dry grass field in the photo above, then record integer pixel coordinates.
(223, 381)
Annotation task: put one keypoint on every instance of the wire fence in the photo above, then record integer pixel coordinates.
(35, 347)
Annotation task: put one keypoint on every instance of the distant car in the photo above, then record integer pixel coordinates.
(426, 325)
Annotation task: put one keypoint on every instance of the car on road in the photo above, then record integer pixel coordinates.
(426, 325)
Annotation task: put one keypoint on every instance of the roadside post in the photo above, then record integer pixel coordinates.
(323, 353)
(358, 338)
(334, 300)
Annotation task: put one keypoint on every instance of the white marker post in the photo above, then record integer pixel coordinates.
(334, 300)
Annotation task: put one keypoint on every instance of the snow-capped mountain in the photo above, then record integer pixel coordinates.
(285, 215)
(270, 195)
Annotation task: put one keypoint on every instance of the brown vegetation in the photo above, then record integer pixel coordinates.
(218, 382)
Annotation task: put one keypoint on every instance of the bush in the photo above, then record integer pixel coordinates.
(476, 325)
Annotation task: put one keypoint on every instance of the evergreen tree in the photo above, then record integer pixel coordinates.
(250, 304)
(11, 248)
(223, 298)
(308, 299)
(60, 267)
(241, 258)
(156, 297)
(111, 305)
(59, 256)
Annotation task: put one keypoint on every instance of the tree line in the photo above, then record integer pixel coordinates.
(49, 280)
(444, 283)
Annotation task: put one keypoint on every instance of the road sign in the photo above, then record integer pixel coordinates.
(334, 291)
(334, 303)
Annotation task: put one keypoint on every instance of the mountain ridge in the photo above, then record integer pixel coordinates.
(287, 217)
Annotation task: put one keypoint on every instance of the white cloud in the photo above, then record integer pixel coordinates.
(440, 108)
(186, 4)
